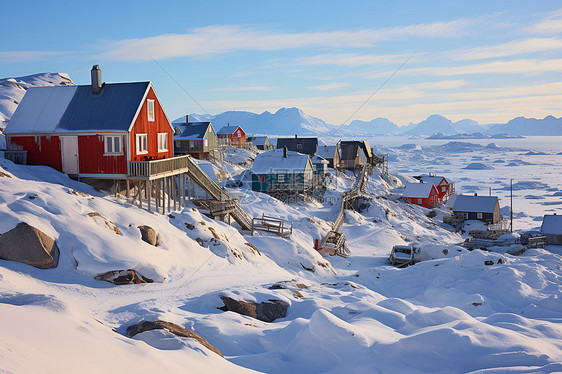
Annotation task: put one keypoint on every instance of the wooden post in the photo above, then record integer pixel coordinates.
(174, 190)
(128, 184)
(169, 190)
(139, 187)
(149, 194)
(157, 195)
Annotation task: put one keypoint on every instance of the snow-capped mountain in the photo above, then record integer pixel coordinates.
(549, 125)
(433, 124)
(375, 126)
(286, 121)
(13, 89)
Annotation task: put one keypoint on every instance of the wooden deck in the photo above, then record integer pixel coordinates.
(156, 169)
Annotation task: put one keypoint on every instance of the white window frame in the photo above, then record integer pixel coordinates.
(299, 146)
(281, 178)
(479, 215)
(142, 144)
(420, 200)
(109, 145)
(150, 110)
(162, 142)
(238, 134)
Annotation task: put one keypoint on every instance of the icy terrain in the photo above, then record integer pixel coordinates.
(449, 313)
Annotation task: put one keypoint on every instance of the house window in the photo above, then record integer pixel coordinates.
(420, 201)
(162, 142)
(262, 178)
(281, 178)
(150, 110)
(443, 188)
(478, 215)
(112, 145)
(142, 144)
(299, 146)
(238, 134)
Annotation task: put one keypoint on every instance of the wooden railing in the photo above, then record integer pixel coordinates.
(156, 168)
(17, 157)
(272, 224)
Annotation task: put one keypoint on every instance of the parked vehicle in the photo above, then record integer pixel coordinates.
(402, 255)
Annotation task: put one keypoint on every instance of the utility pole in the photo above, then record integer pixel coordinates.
(511, 208)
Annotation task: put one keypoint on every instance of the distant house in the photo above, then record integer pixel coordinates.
(306, 146)
(423, 194)
(260, 142)
(282, 170)
(197, 139)
(93, 131)
(319, 165)
(482, 208)
(330, 153)
(552, 228)
(444, 187)
(352, 155)
(232, 134)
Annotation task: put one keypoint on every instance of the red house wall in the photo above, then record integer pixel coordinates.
(233, 137)
(427, 202)
(41, 149)
(92, 161)
(142, 126)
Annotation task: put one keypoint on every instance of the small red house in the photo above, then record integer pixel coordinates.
(91, 130)
(234, 134)
(423, 194)
(443, 186)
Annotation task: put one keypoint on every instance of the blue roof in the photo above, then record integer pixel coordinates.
(192, 130)
(113, 109)
(228, 130)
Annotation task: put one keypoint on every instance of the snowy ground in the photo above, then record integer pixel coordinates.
(448, 313)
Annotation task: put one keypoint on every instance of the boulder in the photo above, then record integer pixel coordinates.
(172, 328)
(149, 235)
(29, 245)
(267, 312)
(120, 277)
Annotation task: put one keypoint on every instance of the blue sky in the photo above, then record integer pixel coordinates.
(485, 60)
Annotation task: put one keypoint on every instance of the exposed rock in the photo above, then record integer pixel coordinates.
(172, 328)
(431, 214)
(29, 245)
(78, 193)
(104, 222)
(253, 248)
(488, 262)
(149, 235)
(189, 226)
(267, 312)
(120, 277)
(4, 174)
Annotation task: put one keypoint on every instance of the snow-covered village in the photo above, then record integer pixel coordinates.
(347, 229)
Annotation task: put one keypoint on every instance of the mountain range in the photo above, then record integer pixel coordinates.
(291, 121)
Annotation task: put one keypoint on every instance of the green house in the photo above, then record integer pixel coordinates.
(281, 170)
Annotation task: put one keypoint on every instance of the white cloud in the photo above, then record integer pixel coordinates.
(25, 56)
(246, 88)
(514, 47)
(552, 24)
(219, 39)
(330, 86)
(350, 59)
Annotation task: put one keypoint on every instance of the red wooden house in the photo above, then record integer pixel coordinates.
(423, 194)
(232, 134)
(92, 130)
(443, 186)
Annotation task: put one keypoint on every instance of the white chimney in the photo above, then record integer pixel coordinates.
(96, 79)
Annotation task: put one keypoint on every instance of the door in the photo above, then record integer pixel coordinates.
(69, 154)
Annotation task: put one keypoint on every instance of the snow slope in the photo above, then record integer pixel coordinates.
(449, 313)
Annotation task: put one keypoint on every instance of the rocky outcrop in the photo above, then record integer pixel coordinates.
(172, 328)
(120, 277)
(149, 235)
(267, 312)
(104, 222)
(29, 245)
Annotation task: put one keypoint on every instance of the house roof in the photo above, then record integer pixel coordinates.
(76, 109)
(432, 179)
(228, 130)
(477, 204)
(318, 160)
(451, 201)
(349, 149)
(192, 130)
(422, 190)
(327, 151)
(301, 145)
(273, 162)
(259, 140)
(552, 224)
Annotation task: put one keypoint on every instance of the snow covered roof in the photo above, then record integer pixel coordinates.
(478, 204)
(552, 224)
(273, 162)
(228, 130)
(327, 151)
(451, 201)
(318, 160)
(259, 140)
(432, 179)
(418, 190)
(192, 130)
(76, 109)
